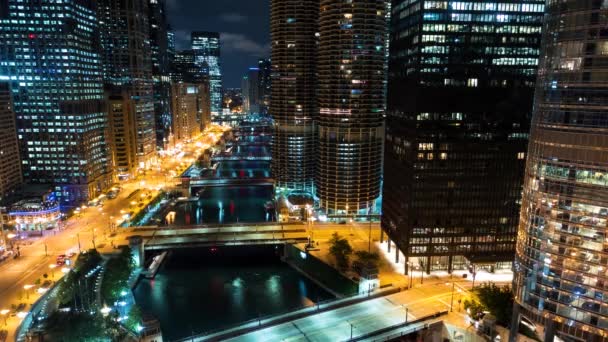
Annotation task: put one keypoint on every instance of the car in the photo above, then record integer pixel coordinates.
(528, 324)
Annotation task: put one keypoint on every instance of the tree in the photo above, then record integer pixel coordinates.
(75, 326)
(498, 300)
(340, 249)
(365, 259)
(135, 319)
(116, 277)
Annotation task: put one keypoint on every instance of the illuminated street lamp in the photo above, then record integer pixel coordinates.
(105, 310)
(4, 313)
(52, 267)
(27, 288)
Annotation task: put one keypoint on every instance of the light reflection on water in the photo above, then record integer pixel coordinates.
(202, 290)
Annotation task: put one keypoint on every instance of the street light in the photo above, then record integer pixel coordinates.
(351, 330)
(27, 288)
(452, 298)
(52, 267)
(410, 269)
(406, 312)
(4, 314)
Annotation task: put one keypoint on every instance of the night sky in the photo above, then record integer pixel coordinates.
(243, 24)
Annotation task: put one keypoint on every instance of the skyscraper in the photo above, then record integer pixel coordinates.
(351, 97)
(49, 56)
(127, 64)
(190, 110)
(561, 267)
(10, 163)
(185, 69)
(161, 53)
(264, 83)
(294, 51)
(206, 47)
(250, 86)
(460, 90)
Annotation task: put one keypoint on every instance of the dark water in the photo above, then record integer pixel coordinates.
(227, 205)
(199, 290)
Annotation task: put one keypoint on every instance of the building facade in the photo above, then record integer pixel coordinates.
(461, 82)
(191, 111)
(561, 267)
(127, 65)
(265, 84)
(161, 54)
(206, 47)
(293, 29)
(56, 83)
(185, 69)
(10, 162)
(123, 131)
(351, 99)
(250, 86)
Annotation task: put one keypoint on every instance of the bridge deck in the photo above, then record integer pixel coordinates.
(370, 319)
(184, 237)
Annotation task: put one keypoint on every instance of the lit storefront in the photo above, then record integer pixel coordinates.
(35, 215)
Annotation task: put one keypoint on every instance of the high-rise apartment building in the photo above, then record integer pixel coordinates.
(49, 56)
(351, 98)
(161, 54)
(123, 131)
(10, 163)
(191, 111)
(206, 47)
(127, 65)
(561, 267)
(293, 29)
(461, 77)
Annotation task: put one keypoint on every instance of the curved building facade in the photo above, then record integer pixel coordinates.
(561, 267)
(293, 106)
(352, 78)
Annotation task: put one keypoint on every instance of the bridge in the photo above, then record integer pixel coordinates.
(200, 182)
(368, 317)
(262, 157)
(160, 238)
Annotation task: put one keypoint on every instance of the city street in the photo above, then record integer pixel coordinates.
(91, 227)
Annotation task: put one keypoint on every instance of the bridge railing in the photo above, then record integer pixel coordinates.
(276, 318)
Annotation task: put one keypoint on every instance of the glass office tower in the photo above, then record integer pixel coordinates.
(351, 99)
(10, 163)
(49, 55)
(161, 53)
(561, 277)
(293, 27)
(206, 47)
(461, 84)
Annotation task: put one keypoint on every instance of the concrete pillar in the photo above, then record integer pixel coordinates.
(137, 249)
(514, 323)
(550, 326)
(381, 235)
(450, 260)
(406, 269)
(428, 265)
(396, 254)
(389, 244)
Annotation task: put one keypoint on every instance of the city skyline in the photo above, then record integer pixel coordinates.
(391, 170)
